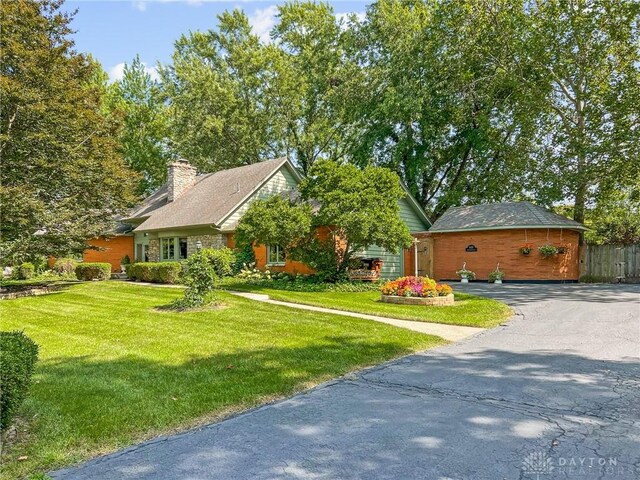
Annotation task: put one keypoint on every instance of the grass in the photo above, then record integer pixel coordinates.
(113, 371)
(469, 310)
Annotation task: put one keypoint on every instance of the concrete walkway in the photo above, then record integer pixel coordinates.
(452, 333)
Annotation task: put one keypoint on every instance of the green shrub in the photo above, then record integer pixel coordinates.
(221, 259)
(18, 356)
(243, 256)
(298, 283)
(39, 262)
(24, 272)
(156, 272)
(201, 281)
(65, 266)
(93, 271)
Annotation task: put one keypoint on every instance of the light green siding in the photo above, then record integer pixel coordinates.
(411, 218)
(392, 264)
(282, 181)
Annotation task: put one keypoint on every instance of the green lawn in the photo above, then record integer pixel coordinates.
(469, 310)
(113, 371)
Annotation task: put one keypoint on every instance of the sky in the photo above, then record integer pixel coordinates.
(114, 31)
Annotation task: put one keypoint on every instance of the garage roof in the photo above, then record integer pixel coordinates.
(501, 216)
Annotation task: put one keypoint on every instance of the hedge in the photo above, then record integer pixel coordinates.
(93, 271)
(156, 272)
(18, 356)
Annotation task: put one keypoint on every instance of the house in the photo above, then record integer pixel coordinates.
(483, 236)
(202, 211)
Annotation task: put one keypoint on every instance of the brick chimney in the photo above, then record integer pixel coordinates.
(180, 176)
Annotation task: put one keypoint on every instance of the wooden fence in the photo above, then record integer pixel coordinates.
(610, 262)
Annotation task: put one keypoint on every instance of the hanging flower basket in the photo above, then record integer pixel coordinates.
(548, 250)
(562, 249)
(525, 248)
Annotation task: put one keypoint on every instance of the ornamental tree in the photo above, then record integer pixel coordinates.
(276, 221)
(357, 208)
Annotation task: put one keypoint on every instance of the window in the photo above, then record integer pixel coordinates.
(139, 247)
(275, 255)
(182, 242)
(167, 249)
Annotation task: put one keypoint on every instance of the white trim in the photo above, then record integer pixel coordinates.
(275, 264)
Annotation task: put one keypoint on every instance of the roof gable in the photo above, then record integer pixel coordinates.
(211, 199)
(496, 216)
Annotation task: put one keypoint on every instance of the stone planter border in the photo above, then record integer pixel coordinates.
(437, 301)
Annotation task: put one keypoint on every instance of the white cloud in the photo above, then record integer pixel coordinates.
(139, 5)
(117, 72)
(262, 21)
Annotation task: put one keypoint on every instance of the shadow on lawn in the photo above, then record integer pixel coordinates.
(426, 416)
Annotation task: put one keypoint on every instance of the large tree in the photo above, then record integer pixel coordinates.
(585, 56)
(62, 179)
(237, 100)
(441, 110)
(138, 102)
(220, 86)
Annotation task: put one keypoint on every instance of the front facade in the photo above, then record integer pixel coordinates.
(486, 237)
(202, 211)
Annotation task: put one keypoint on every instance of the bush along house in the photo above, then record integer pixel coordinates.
(528, 242)
(194, 211)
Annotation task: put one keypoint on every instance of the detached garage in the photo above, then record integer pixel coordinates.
(509, 234)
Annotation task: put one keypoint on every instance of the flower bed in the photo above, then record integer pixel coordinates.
(416, 291)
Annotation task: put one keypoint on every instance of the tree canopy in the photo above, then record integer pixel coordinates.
(62, 178)
(468, 101)
(355, 207)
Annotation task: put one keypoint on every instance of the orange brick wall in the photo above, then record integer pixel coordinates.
(260, 252)
(114, 249)
(502, 246)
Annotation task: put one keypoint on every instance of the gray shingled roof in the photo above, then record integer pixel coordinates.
(497, 216)
(208, 201)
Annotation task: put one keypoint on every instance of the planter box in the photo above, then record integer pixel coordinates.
(438, 301)
(364, 275)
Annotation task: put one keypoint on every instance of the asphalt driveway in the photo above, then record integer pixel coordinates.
(553, 394)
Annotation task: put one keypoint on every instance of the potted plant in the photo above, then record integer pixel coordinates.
(525, 248)
(124, 262)
(496, 276)
(547, 250)
(465, 275)
(562, 248)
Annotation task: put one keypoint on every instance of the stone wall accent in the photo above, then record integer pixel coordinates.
(180, 176)
(154, 250)
(208, 241)
(437, 301)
